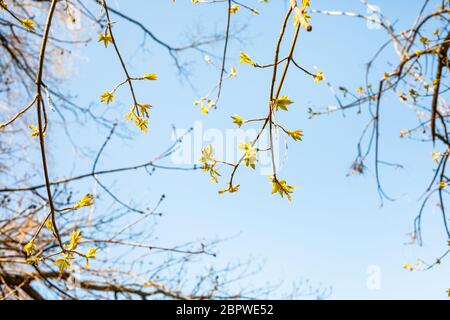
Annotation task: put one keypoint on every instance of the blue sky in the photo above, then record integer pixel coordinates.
(334, 229)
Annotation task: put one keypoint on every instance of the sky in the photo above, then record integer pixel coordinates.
(334, 233)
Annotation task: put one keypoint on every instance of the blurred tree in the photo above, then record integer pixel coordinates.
(418, 77)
